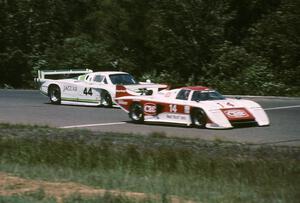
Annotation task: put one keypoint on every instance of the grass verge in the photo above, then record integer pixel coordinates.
(197, 170)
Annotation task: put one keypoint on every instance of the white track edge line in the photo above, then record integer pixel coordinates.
(92, 125)
(282, 107)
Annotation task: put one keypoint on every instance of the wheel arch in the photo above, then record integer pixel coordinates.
(55, 99)
(107, 88)
(193, 110)
(103, 94)
(141, 119)
(53, 85)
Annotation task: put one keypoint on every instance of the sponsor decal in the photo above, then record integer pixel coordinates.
(187, 109)
(121, 91)
(150, 108)
(176, 117)
(236, 113)
(230, 104)
(220, 105)
(70, 88)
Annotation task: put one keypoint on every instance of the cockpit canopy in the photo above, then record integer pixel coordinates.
(122, 79)
(115, 78)
(206, 96)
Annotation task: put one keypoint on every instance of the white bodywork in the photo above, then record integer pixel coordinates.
(87, 89)
(174, 110)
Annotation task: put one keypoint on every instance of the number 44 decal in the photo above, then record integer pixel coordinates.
(88, 92)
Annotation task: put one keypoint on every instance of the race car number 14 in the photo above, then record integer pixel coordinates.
(173, 108)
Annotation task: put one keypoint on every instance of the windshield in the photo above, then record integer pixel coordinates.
(207, 95)
(122, 79)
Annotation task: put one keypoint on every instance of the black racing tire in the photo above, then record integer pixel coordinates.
(199, 118)
(136, 113)
(54, 94)
(106, 100)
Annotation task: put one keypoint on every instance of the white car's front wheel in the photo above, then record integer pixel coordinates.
(54, 94)
(106, 100)
(199, 118)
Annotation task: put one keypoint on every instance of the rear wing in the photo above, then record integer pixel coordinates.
(138, 90)
(122, 91)
(44, 75)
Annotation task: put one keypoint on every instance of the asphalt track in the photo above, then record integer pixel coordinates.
(30, 107)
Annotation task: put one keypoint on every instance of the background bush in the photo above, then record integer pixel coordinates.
(237, 46)
(204, 171)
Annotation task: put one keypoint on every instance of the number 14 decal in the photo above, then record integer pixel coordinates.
(173, 108)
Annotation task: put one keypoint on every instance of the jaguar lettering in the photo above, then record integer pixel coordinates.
(70, 88)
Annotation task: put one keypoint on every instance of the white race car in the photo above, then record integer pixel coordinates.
(198, 106)
(91, 88)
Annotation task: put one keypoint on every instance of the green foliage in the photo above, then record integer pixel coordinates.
(78, 52)
(182, 34)
(30, 197)
(277, 39)
(165, 77)
(178, 42)
(193, 169)
(236, 70)
(14, 68)
(107, 198)
(27, 28)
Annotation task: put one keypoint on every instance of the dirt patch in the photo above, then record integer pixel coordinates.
(12, 185)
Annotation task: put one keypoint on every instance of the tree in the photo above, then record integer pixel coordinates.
(277, 38)
(234, 69)
(27, 29)
(77, 52)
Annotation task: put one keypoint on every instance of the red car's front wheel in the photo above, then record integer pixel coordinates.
(199, 118)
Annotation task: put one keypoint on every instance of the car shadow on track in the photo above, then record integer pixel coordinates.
(183, 126)
(112, 107)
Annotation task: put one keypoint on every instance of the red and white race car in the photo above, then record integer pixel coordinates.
(198, 106)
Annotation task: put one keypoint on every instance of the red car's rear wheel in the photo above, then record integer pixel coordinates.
(136, 113)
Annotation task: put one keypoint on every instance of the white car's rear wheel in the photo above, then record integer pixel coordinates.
(199, 118)
(54, 94)
(106, 100)
(136, 113)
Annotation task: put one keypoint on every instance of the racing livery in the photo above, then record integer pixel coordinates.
(91, 88)
(197, 106)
